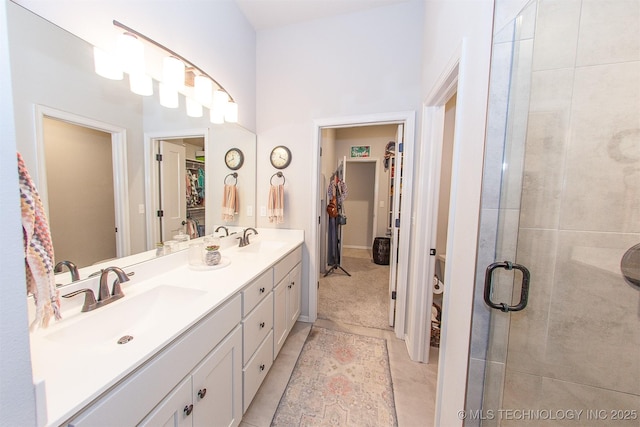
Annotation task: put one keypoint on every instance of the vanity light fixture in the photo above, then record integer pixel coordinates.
(203, 87)
(215, 117)
(173, 72)
(231, 112)
(219, 106)
(168, 96)
(177, 75)
(141, 84)
(131, 53)
(194, 108)
(106, 65)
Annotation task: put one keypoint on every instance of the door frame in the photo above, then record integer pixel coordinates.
(467, 65)
(376, 165)
(433, 119)
(118, 157)
(408, 119)
(152, 181)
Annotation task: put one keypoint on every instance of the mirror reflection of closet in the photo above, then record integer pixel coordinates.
(181, 187)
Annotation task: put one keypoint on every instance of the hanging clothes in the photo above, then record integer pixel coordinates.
(336, 194)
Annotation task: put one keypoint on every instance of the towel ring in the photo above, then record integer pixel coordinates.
(279, 175)
(234, 175)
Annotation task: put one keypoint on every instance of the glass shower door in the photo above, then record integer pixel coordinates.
(561, 196)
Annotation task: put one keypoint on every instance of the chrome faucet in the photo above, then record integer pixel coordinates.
(104, 296)
(73, 269)
(244, 240)
(226, 230)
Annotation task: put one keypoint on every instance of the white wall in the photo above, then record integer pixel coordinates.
(17, 402)
(361, 63)
(450, 27)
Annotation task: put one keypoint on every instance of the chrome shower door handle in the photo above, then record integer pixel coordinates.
(524, 290)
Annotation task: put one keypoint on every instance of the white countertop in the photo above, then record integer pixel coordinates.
(75, 374)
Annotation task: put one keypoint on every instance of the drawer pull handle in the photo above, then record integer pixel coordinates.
(293, 283)
(261, 325)
(188, 410)
(202, 393)
(262, 290)
(289, 286)
(262, 367)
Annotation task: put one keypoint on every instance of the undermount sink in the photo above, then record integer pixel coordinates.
(133, 316)
(262, 246)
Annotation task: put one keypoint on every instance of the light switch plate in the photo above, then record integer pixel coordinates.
(263, 211)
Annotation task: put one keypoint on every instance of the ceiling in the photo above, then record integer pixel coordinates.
(264, 14)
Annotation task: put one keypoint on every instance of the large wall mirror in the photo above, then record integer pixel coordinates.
(59, 97)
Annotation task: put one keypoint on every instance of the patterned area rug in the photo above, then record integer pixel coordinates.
(340, 379)
(362, 299)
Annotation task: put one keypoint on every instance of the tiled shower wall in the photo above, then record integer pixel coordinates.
(577, 345)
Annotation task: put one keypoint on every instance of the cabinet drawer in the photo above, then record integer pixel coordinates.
(256, 370)
(256, 326)
(256, 291)
(281, 269)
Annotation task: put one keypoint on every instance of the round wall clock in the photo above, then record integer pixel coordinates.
(280, 157)
(234, 159)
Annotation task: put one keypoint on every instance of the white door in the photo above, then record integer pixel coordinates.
(173, 203)
(396, 187)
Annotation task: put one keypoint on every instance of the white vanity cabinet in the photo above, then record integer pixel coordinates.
(257, 330)
(287, 274)
(209, 396)
(208, 373)
(207, 351)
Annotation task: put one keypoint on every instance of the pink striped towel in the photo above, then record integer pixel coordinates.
(38, 251)
(275, 208)
(230, 202)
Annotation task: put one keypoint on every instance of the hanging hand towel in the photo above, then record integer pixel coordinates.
(38, 251)
(230, 203)
(275, 209)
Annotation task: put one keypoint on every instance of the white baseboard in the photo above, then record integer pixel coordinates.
(355, 247)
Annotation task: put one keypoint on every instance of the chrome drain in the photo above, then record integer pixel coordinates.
(125, 339)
